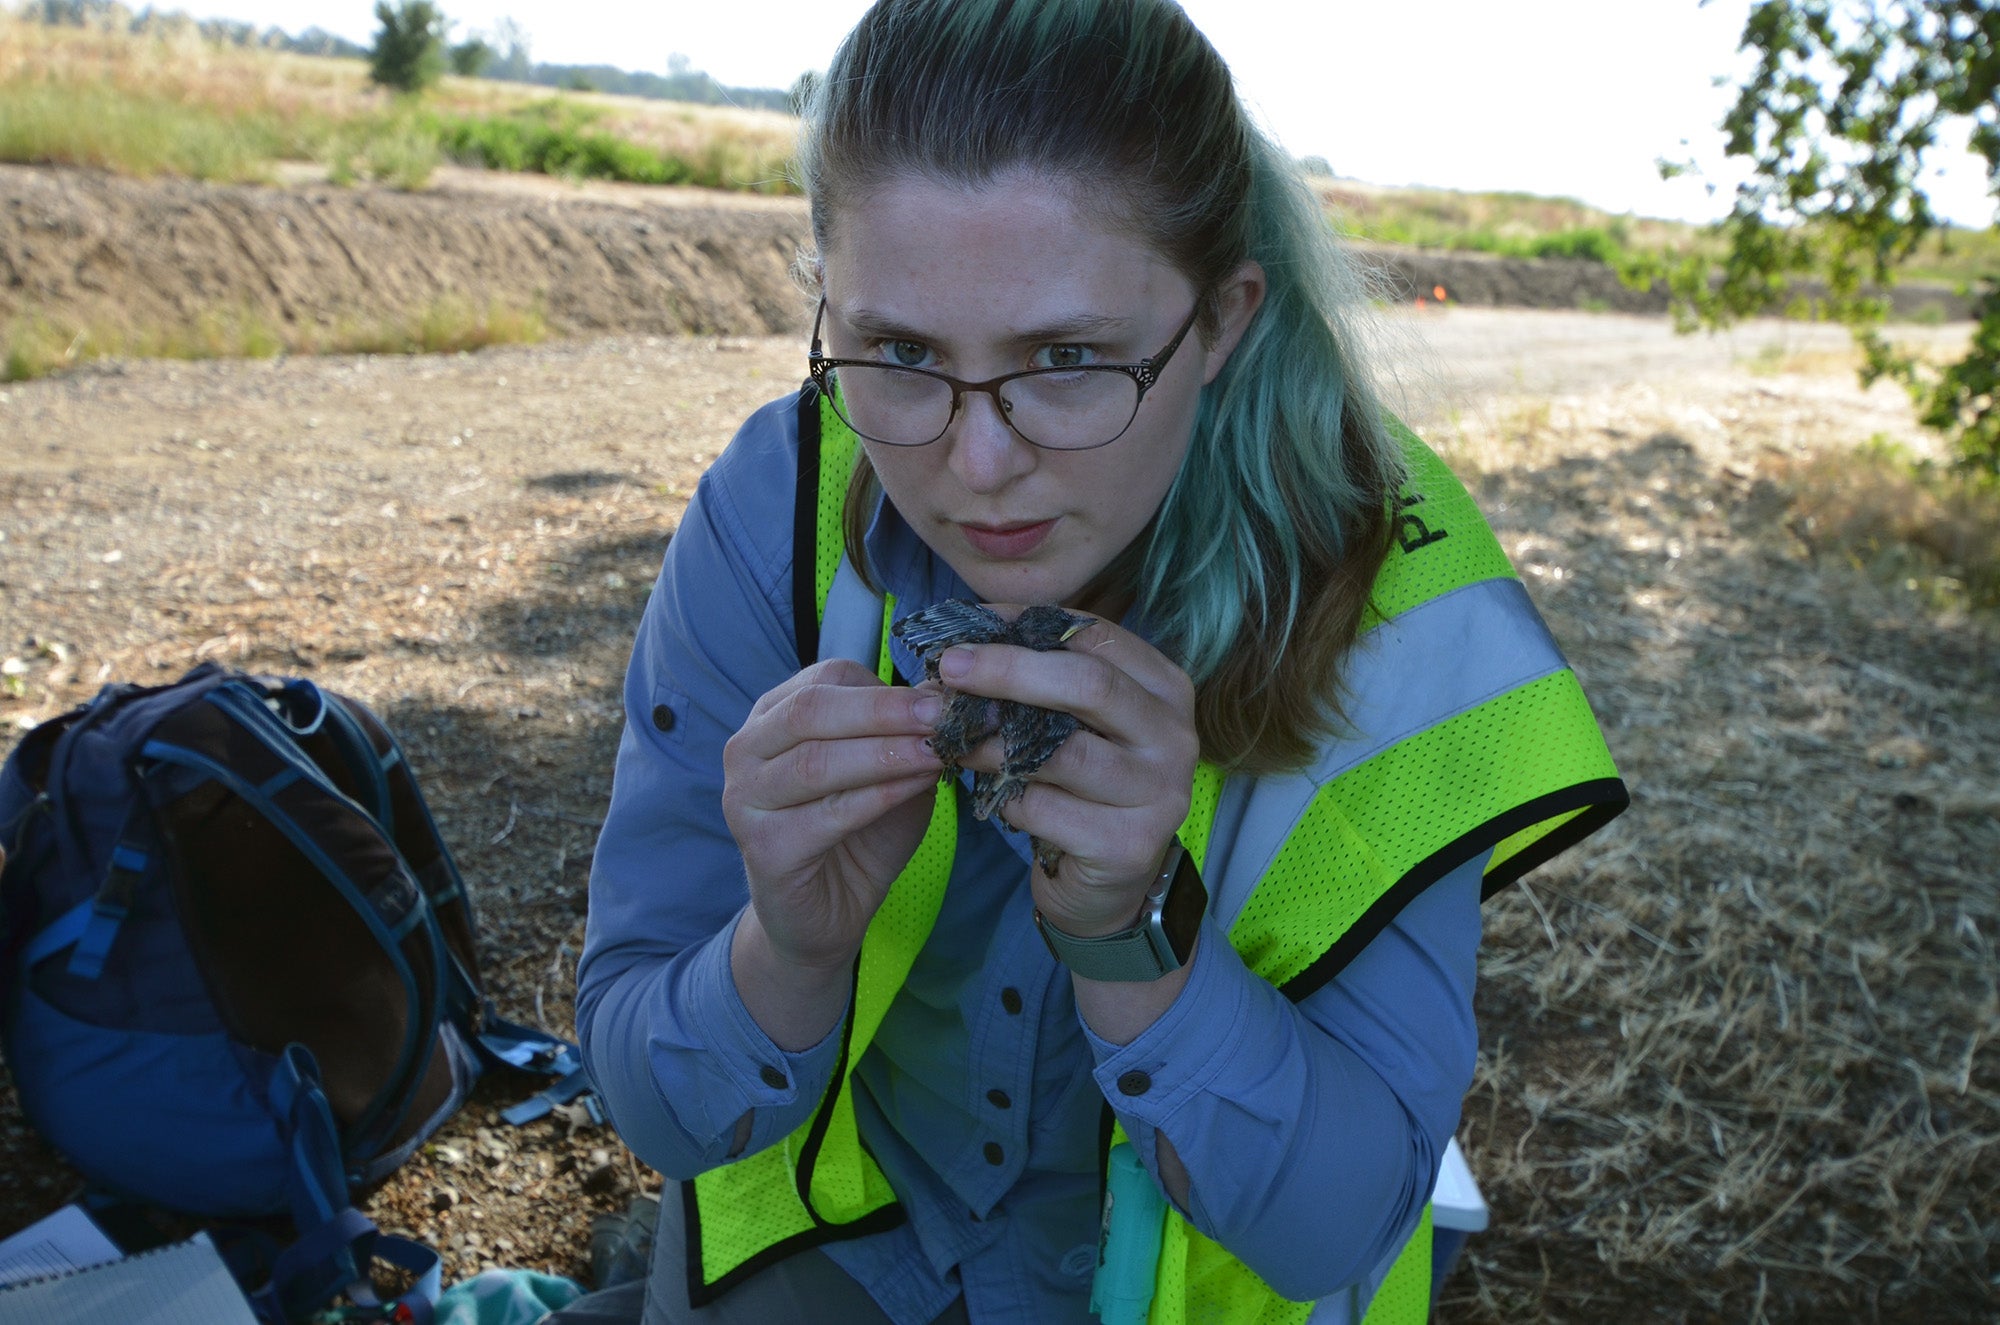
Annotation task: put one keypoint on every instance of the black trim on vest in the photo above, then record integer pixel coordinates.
(1601, 801)
(700, 1294)
(1605, 799)
(823, 1115)
(805, 530)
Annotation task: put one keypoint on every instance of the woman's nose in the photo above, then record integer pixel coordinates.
(986, 454)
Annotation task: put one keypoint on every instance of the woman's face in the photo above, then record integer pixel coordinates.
(976, 282)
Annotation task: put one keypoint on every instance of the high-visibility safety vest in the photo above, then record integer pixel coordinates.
(1469, 735)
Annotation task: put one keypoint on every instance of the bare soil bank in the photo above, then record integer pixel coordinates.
(85, 248)
(89, 247)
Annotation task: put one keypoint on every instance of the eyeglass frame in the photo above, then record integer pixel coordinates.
(1145, 374)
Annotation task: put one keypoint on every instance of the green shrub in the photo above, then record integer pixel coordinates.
(404, 155)
(408, 55)
(554, 139)
(1586, 243)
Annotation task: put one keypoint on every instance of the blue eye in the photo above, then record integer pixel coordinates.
(908, 353)
(1063, 356)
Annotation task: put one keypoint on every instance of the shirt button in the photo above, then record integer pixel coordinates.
(999, 1099)
(775, 1079)
(994, 1154)
(663, 717)
(1010, 999)
(1134, 1083)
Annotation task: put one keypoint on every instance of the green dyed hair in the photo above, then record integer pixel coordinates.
(1255, 572)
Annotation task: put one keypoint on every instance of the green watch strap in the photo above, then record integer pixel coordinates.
(1153, 947)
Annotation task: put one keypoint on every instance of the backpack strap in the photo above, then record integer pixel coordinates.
(89, 928)
(532, 1050)
(370, 770)
(341, 1243)
(137, 848)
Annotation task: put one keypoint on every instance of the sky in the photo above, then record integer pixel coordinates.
(1570, 98)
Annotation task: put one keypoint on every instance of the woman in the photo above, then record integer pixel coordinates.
(1082, 340)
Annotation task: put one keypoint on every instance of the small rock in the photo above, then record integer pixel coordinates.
(443, 1199)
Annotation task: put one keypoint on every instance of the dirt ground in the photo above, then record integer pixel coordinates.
(466, 542)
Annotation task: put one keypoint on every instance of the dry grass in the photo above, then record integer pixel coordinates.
(1931, 531)
(34, 345)
(1885, 508)
(171, 102)
(1740, 1056)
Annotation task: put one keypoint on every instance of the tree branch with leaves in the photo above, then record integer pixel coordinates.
(1838, 122)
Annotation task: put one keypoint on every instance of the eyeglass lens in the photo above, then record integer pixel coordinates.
(1059, 410)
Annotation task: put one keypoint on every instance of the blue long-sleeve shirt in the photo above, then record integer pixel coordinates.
(1311, 1133)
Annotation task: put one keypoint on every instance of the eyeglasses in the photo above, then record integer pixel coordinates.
(1061, 409)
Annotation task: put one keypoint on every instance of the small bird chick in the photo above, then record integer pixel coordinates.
(1028, 735)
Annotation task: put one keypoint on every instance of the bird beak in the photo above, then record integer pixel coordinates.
(1083, 624)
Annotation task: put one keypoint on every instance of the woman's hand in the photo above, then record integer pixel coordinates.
(827, 790)
(1113, 796)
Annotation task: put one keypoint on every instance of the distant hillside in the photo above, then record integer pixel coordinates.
(91, 83)
(508, 59)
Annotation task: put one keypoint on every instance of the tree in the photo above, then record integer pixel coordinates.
(409, 48)
(510, 39)
(470, 57)
(1838, 122)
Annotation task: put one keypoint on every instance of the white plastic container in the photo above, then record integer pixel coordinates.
(1457, 1212)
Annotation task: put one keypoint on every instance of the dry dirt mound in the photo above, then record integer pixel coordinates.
(85, 249)
(96, 248)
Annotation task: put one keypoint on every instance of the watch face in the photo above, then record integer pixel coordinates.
(1187, 899)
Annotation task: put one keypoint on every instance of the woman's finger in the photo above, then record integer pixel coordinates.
(814, 770)
(831, 708)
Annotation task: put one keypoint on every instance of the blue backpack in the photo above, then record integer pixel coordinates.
(237, 967)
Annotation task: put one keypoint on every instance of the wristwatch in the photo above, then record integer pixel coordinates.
(1162, 939)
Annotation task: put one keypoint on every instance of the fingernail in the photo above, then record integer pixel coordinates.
(927, 709)
(955, 663)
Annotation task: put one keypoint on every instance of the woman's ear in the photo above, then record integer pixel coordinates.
(1240, 296)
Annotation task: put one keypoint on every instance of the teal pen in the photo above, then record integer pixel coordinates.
(1128, 1244)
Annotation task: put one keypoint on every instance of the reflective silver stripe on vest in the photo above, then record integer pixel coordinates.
(1443, 657)
(852, 624)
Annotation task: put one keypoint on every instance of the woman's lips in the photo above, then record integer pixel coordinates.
(1008, 542)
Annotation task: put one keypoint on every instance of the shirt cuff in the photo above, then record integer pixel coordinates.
(1174, 1060)
(710, 1043)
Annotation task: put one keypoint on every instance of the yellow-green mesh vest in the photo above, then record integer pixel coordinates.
(1523, 772)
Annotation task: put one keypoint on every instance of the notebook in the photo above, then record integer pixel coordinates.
(184, 1283)
(67, 1240)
